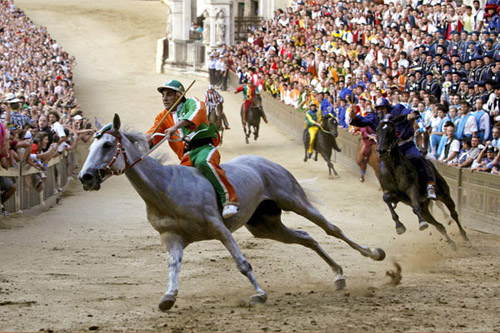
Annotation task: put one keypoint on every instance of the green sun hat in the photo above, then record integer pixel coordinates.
(172, 84)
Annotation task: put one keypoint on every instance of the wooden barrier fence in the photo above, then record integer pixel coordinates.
(58, 170)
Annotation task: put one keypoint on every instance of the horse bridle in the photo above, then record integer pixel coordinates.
(395, 142)
(324, 130)
(108, 172)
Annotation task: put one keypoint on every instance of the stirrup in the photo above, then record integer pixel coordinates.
(431, 193)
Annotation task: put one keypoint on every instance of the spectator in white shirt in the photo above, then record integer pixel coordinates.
(56, 126)
(452, 147)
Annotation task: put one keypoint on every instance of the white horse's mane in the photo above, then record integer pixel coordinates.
(139, 140)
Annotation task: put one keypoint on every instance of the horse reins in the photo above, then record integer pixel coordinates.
(108, 172)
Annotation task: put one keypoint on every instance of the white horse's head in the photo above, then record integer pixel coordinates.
(104, 156)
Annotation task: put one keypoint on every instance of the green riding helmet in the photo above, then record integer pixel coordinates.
(172, 84)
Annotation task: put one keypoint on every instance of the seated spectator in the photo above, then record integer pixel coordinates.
(468, 153)
(496, 164)
(452, 146)
(484, 162)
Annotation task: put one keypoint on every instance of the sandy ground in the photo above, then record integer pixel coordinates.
(94, 262)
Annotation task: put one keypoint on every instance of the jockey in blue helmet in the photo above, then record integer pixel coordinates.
(405, 132)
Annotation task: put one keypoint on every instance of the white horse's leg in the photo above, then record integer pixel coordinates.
(308, 211)
(243, 265)
(271, 227)
(175, 249)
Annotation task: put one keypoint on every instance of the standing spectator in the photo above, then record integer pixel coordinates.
(218, 71)
(211, 69)
(56, 127)
(43, 126)
(224, 73)
(467, 125)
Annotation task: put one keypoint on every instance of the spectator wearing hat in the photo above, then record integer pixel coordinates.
(13, 115)
(495, 170)
(484, 161)
(432, 86)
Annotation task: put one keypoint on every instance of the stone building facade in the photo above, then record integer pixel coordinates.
(216, 18)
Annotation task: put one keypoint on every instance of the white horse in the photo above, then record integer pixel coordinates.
(182, 205)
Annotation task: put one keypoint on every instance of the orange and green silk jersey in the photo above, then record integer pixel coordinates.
(192, 110)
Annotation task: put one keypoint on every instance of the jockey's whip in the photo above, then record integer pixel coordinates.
(173, 107)
(156, 128)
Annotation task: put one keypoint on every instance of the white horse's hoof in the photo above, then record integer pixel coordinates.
(166, 303)
(378, 254)
(401, 230)
(423, 225)
(258, 299)
(340, 284)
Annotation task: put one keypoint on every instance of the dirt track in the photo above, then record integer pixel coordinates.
(94, 262)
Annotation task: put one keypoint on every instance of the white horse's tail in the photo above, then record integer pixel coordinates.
(308, 187)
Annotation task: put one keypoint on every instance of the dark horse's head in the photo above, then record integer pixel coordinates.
(330, 124)
(257, 102)
(386, 137)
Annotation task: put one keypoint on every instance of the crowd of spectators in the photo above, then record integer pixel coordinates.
(436, 57)
(40, 116)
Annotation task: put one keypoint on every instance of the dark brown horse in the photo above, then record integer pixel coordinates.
(215, 115)
(400, 183)
(324, 143)
(254, 113)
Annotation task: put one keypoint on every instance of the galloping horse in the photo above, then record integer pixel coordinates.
(182, 206)
(400, 182)
(324, 142)
(215, 117)
(254, 113)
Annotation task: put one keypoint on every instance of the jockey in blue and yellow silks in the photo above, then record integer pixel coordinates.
(312, 126)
